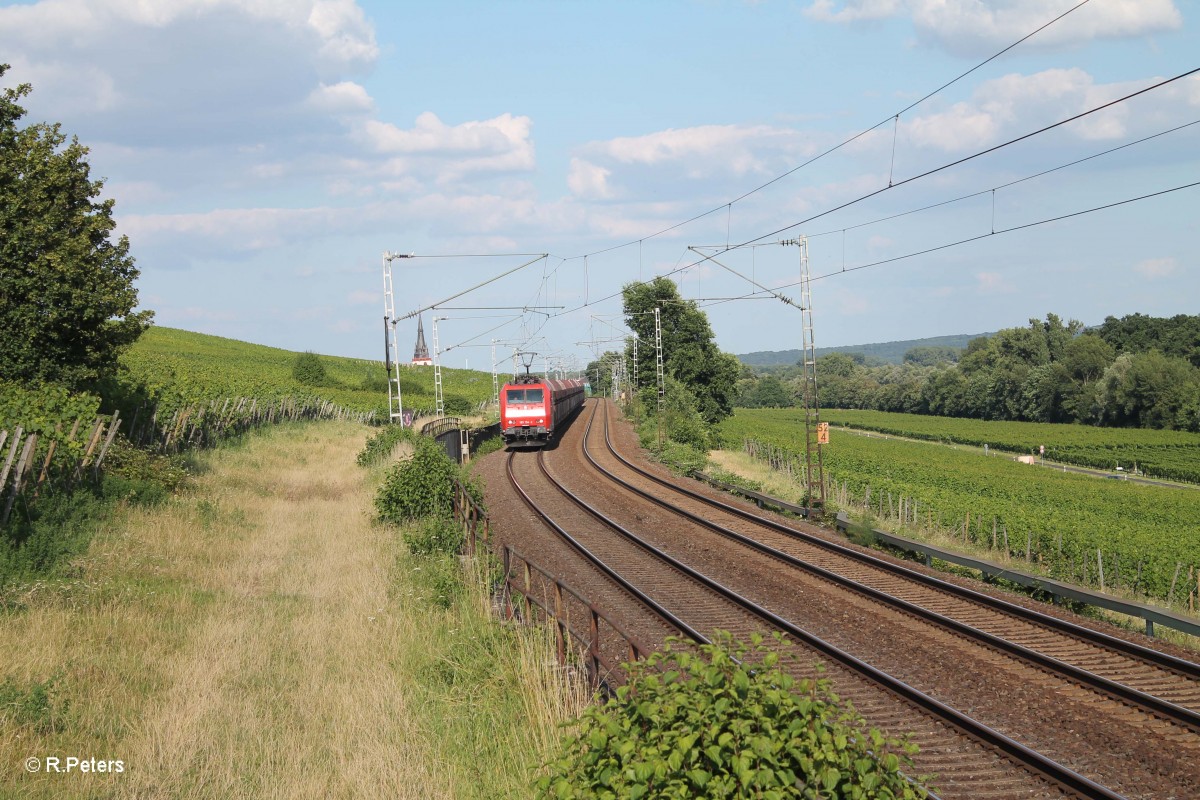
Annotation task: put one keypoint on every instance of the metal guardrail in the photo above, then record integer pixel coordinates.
(1058, 590)
(471, 516)
(760, 499)
(555, 609)
(476, 527)
(439, 426)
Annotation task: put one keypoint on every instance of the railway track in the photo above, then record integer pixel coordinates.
(1145, 679)
(1127, 716)
(971, 759)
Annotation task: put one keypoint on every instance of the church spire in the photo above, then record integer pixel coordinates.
(421, 351)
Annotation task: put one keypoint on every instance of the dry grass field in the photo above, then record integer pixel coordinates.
(261, 636)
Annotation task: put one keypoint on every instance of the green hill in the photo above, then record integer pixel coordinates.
(881, 352)
(176, 367)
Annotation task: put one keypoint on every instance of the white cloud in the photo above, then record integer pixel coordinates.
(345, 97)
(853, 10)
(361, 297)
(450, 152)
(992, 283)
(198, 73)
(1015, 104)
(344, 326)
(587, 180)
(979, 27)
(740, 148)
(1153, 268)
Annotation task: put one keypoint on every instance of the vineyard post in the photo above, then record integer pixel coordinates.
(45, 471)
(993, 533)
(112, 434)
(12, 452)
(18, 477)
(1100, 567)
(1028, 543)
(1174, 578)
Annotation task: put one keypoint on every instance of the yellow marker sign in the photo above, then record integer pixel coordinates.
(822, 433)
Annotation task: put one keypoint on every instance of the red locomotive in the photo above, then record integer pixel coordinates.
(532, 410)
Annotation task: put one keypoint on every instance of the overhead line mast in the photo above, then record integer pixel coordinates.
(392, 351)
(814, 435)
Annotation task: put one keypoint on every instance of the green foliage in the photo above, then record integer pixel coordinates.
(1138, 371)
(1178, 336)
(733, 479)
(457, 406)
(383, 444)
(42, 535)
(690, 354)
(308, 370)
(726, 722)
(125, 462)
(489, 446)
(928, 356)
(40, 704)
(43, 409)
(421, 486)
(67, 293)
(433, 535)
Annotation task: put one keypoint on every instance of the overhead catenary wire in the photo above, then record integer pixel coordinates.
(979, 193)
(976, 238)
(920, 176)
(840, 145)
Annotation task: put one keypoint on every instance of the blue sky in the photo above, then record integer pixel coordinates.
(264, 154)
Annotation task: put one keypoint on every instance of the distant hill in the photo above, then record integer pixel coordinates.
(885, 352)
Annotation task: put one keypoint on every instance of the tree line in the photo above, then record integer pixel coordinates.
(1136, 371)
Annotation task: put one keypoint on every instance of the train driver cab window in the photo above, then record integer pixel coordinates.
(525, 395)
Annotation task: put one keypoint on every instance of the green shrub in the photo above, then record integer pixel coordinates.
(130, 463)
(726, 722)
(421, 486)
(381, 445)
(458, 406)
(308, 370)
(434, 535)
(39, 705)
(733, 479)
(489, 446)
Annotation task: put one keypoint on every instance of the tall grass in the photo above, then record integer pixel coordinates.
(262, 636)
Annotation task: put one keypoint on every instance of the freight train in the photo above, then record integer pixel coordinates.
(533, 410)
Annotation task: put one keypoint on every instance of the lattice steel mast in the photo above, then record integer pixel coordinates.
(814, 471)
(392, 354)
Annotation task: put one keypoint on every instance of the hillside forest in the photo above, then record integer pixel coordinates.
(1135, 371)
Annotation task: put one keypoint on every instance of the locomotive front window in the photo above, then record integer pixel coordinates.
(525, 395)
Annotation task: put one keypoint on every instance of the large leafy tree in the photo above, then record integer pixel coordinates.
(67, 298)
(689, 353)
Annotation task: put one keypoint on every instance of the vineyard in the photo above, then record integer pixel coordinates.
(178, 390)
(1174, 455)
(177, 369)
(1142, 538)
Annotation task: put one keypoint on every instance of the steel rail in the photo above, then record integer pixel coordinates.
(997, 741)
(663, 614)
(1114, 689)
(1156, 658)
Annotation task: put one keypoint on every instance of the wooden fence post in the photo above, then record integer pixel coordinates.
(12, 453)
(18, 477)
